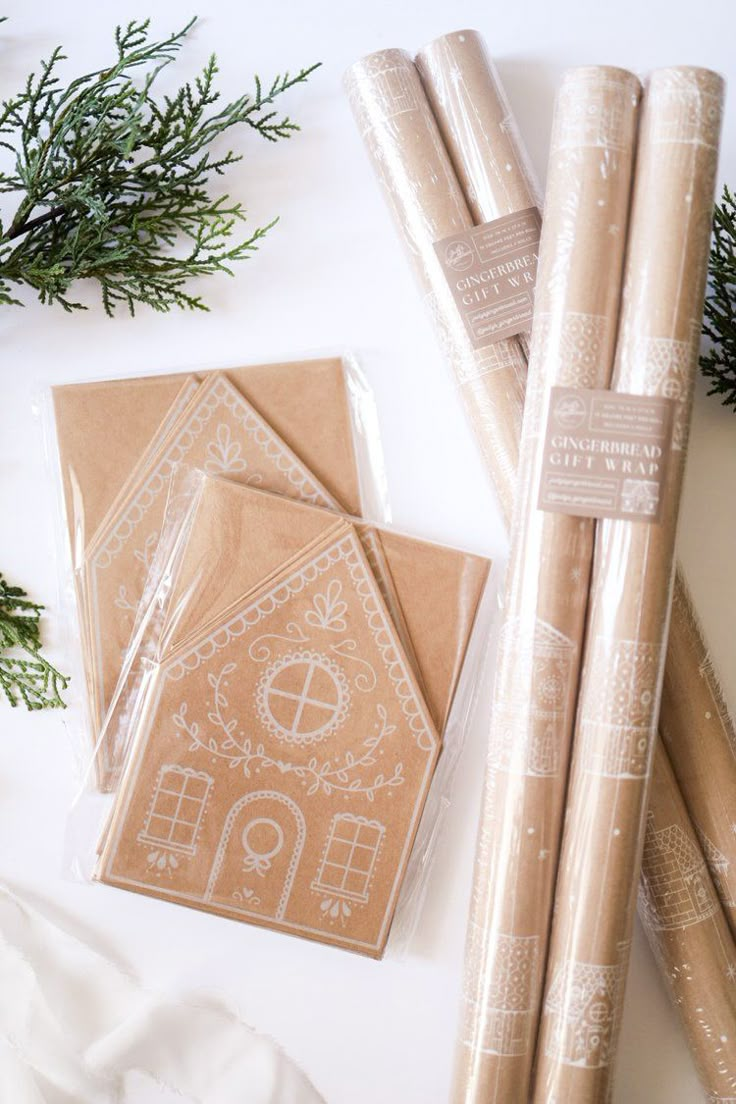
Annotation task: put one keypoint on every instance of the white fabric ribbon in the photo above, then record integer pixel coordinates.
(74, 1027)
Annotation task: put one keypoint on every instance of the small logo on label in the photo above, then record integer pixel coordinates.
(569, 411)
(459, 256)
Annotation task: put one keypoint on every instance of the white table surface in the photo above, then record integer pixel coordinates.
(332, 275)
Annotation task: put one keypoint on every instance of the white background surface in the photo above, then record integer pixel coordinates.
(332, 274)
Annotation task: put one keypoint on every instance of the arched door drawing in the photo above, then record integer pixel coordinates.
(258, 854)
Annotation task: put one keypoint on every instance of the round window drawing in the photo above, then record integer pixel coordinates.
(303, 697)
(599, 1013)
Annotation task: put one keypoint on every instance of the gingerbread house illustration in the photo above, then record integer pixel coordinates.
(686, 114)
(675, 889)
(719, 866)
(584, 1007)
(284, 764)
(532, 701)
(391, 90)
(618, 728)
(601, 122)
(506, 1015)
(669, 361)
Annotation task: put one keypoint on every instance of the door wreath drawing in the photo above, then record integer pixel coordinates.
(258, 854)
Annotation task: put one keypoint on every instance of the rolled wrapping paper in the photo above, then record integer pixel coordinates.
(620, 685)
(468, 101)
(687, 929)
(489, 160)
(699, 735)
(480, 133)
(577, 301)
(419, 183)
(478, 128)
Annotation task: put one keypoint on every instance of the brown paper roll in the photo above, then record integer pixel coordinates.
(488, 156)
(688, 932)
(418, 181)
(620, 686)
(701, 741)
(478, 129)
(477, 126)
(480, 134)
(577, 304)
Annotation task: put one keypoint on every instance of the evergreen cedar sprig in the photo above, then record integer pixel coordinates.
(113, 181)
(24, 673)
(719, 363)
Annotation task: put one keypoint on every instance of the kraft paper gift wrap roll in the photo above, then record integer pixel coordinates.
(620, 685)
(481, 136)
(478, 128)
(699, 734)
(687, 929)
(489, 161)
(419, 183)
(577, 302)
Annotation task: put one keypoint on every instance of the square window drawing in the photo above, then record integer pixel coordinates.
(349, 857)
(177, 808)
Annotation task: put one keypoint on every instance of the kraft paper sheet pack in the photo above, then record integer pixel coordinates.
(282, 748)
(218, 431)
(118, 441)
(626, 634)
(205, 432)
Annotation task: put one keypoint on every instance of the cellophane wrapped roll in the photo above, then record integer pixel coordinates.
(419, 183)
(577, 302)
(478, 128)
(490, 162)
(688, 932)
(699, 734)
(620, 686)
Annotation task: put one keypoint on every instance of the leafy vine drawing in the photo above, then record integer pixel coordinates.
(145, 555)
(343, 774)
(260, 652)
(366, 680)
(123, 602)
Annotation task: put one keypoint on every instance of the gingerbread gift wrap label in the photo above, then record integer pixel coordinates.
(282, 760)
(219, 432)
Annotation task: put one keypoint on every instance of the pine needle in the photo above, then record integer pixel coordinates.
(114, 182)
(719, 363)
(25, 675)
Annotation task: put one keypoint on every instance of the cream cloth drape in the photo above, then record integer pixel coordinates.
(75, 1029)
